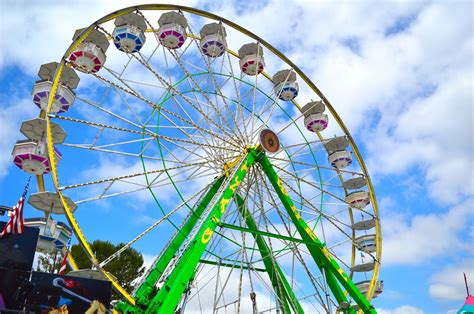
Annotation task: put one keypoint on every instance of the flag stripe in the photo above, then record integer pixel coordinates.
(15, 225)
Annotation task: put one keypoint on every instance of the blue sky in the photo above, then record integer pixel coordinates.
(400, 75)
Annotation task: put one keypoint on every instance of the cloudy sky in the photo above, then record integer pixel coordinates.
(400, 74)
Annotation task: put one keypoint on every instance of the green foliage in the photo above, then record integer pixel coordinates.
(49, 262)
(126, 268)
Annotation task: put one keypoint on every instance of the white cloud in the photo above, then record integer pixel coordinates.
(377, 73)
(11, 118)
(148, 260)
(416, 240)
(43, 40)
(404, 309)
(413, 84)
(448, 283)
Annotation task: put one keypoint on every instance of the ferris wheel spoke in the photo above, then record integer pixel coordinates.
(101, 125)
(132, 175)
(295, 248)
(306, 144)
(93, 145)
(186, 133)
(288, 161)
(124, 99)
(279, 280)
(226, 127)
(293, 122)
(150, 228)
(326, 192)
(145, 84)
(298, 150)
(107, 111)
(195, 132)
(175, 91)
(239, 113)
(332, 220)
(223, 126)
(162, 109)
(218, 87)
(102, 196)
(247, 102)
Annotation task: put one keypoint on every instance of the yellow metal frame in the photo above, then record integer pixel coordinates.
(70, 217)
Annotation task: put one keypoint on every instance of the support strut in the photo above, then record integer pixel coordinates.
(167, 298)
(143, 294)
(277, 277)
(335, 275)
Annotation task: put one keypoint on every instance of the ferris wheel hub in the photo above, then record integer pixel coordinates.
(269, 141)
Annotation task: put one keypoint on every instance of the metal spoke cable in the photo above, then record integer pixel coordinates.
(150, 228)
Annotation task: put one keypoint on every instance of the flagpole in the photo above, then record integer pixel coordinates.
(25, 192)
(465, 282)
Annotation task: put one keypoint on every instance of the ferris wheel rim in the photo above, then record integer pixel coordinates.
(162, 7)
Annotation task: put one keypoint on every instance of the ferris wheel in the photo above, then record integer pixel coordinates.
(259, 196)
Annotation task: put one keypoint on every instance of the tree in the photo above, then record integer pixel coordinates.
(49, 262)
(126, 268)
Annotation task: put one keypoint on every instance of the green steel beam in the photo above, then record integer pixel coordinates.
(168, 297)
(143, 294)
(204, 261)
(334, 273)
(277, 277)
(263, 233)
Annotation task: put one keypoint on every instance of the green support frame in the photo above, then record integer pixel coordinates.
(143, 294)
(333, 273)
(169, 295)
(281, 286)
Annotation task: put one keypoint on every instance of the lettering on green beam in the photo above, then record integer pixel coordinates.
(206, 236)
(297, 214)
(224, 203)
(310, 232)
(340, 271)
(245, 167)
(234, 185)
(282, 188)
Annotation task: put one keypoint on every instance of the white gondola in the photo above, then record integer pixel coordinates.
(364, 267)
(172, 31)
(213, 43)
(53, 235)
(129, 32)
(89, 55)
(87, 273)
(285, 85)
(64, 97)
(50, 202)
(314, 118)
(35, 130)
(366, 243)
(251, 59)
(340, 159)
(62, 101)
(358, 199)
(364, 224)
(364, 286)
(337, 143)
(354, 183)
(32, 157)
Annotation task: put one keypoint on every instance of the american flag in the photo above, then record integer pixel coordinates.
(63, 267)
(15, 225)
